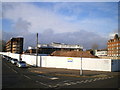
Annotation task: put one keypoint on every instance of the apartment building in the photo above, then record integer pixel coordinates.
(15, 45)
(113, 46)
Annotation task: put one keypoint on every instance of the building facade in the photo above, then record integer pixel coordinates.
(113, 46)
(59, 46)
(100, 53)
(49, 48)
(15, 45)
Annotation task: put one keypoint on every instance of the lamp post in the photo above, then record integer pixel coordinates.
(81, 70)
(37, 50)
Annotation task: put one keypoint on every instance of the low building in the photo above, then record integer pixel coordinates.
(49, 48)
(85, 54)
(113, 46)
(101, 53)
(15, 45)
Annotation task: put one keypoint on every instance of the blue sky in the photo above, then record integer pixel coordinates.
(76, 13)
(61, 17)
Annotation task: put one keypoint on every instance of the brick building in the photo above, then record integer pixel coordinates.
(113, 46)
(15, 45)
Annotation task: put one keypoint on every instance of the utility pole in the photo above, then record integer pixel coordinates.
(36, 50)
(81, 70)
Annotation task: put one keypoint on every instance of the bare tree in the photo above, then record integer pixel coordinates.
(2, 45)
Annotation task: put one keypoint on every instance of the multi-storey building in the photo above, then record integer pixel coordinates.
(15, 45)
(114, 46)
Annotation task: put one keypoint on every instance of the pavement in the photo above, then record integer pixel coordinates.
(32, 77)
(71, 72)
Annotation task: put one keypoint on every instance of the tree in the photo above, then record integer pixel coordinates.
(95, 46)
(2, 45)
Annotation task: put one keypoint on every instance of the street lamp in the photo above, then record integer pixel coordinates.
(81, 71)
(37, 50)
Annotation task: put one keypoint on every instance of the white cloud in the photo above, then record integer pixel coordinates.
(39, 18)
(112, 34)
(29, 19)
(82, 37)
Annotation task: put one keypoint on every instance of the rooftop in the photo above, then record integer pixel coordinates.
(64, 53)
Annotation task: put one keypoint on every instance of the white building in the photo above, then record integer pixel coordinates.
(60, 45)
(50, 48)
(100, 53)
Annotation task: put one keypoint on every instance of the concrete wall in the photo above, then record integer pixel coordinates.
(94, 64)
(13, 55)
(75, 63)
(31, 59)
(4, 53)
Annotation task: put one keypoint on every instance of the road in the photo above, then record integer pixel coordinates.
(14, 77)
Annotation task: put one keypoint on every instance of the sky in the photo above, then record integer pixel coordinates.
(83, 23)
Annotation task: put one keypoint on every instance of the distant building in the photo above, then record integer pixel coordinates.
(61, 46)
(113, 46)
(49, 48)
(15, 45)
(100, 53)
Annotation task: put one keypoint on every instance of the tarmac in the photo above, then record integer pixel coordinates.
(71, 72)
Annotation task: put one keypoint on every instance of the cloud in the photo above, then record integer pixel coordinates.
(40, 19)
(72, 26)
(82, 37)
(21, 26)
(112, 34)
(60, 17)
(29, 38)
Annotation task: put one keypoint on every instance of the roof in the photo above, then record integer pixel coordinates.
(85, 54)
(116, 37)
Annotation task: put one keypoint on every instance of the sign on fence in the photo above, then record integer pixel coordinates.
(70, 60)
